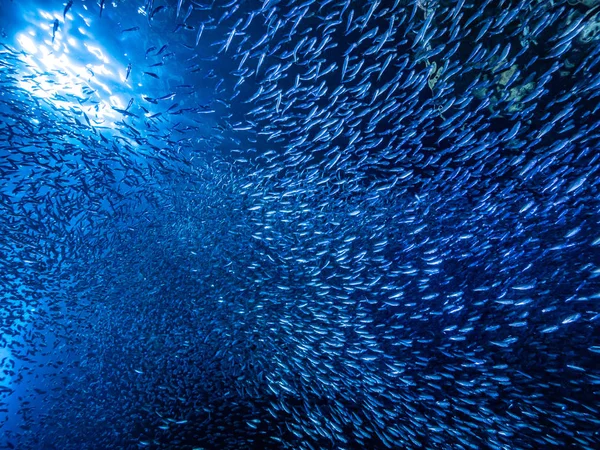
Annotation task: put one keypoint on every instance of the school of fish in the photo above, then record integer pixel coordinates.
(288, 224)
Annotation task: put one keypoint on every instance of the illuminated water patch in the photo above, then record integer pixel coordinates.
(70, 74)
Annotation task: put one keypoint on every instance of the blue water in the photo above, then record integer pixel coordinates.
(299, 225)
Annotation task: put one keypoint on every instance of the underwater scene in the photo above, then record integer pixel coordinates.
(299, 224)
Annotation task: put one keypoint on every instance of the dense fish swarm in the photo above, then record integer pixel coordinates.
(300, 224)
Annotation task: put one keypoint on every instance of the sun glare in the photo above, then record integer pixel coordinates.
(55, 71)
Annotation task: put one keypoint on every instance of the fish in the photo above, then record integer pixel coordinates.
(162, 49)
(199, 34)
(67, 8)
(127, 30)
(124, 112)
(322, 225)
(189, 13)
(167, 96)
(156, 11)
(128, 71)
(150, 50)
(55, 26)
